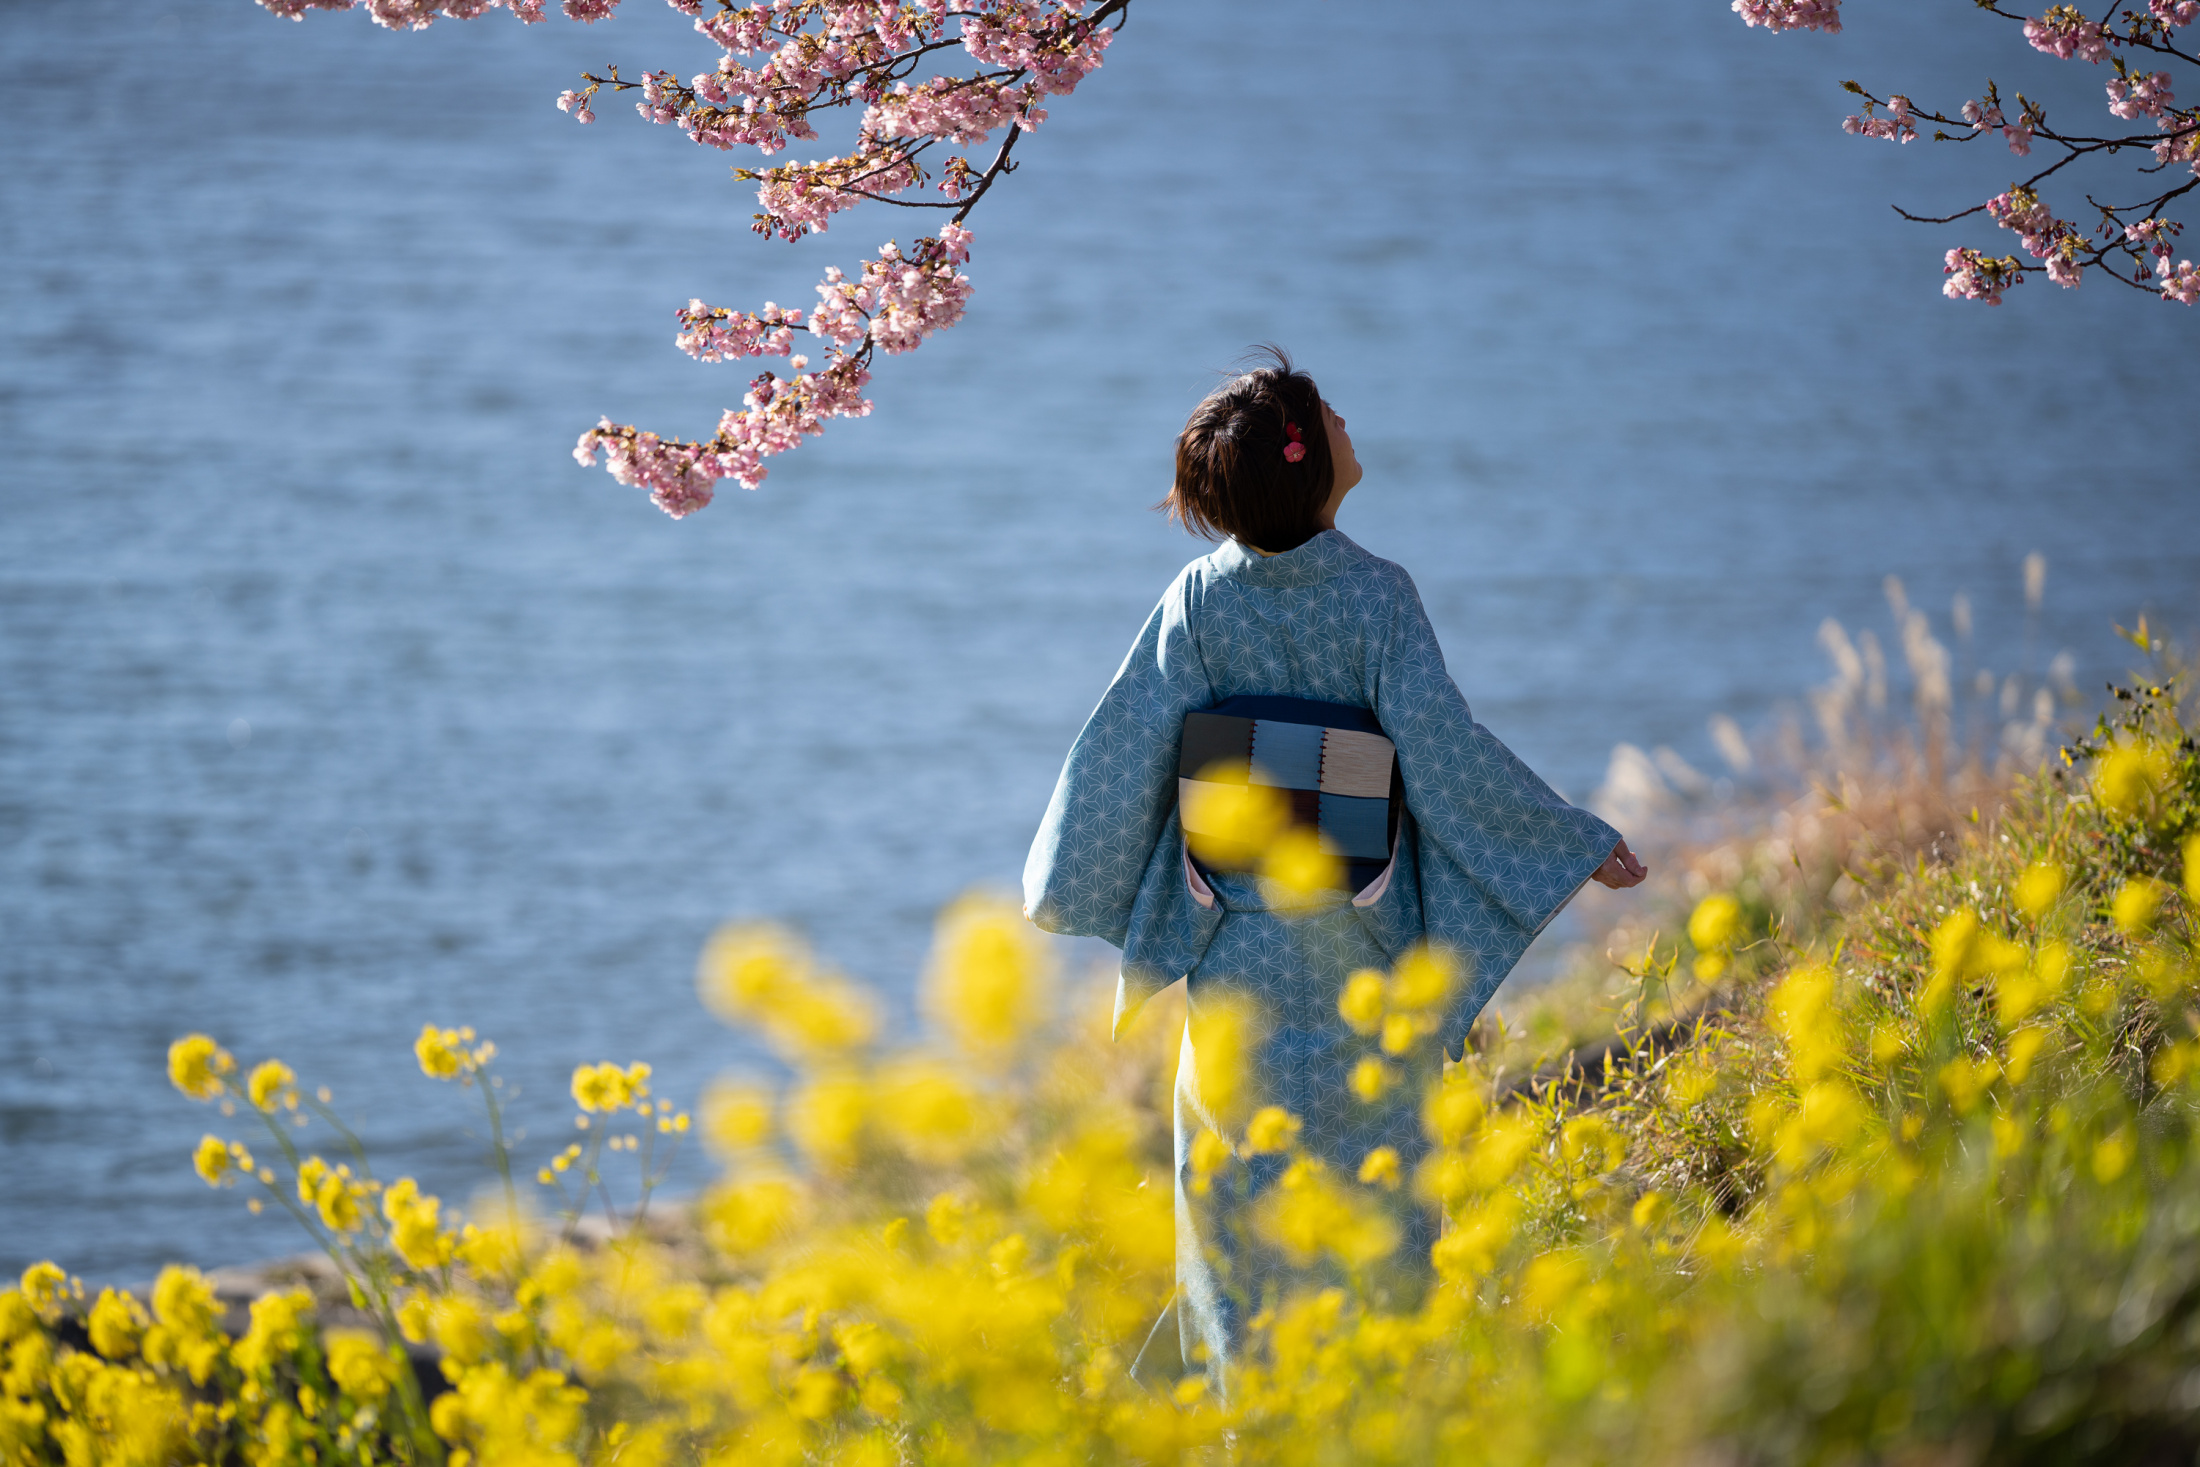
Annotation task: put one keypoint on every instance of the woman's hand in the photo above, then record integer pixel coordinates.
(1621, 869)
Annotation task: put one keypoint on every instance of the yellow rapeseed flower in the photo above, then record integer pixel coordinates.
(494, 1250)
(196, 1065)
(747, 967)
(987, 980)
(2192, 869)
(415, 1219)
(1299, 870)
(1500, 1149)
(743, 1217)
(1963, 949)
(2174, 1063)
(47, 1289)
(211, 1161)
(1399, 1033)
(1381, 1168)
(1712, 927)
(1360, 1003)
(826, 1117)
(1222, 1035)
(760, 975)
(1272, 1129)
(2019, 993)
(2130, 777)
(1477, 1236)
(2112, 1155)
(1229, 825)
(736, 1116)
(1424, 978)
(459, 1326)
(272, 1082)
(1803, 1013)
(277, 1332)
(2136, 906)
(2024, 1048)
(18, 1321)
(1549, 1280)
(815, 1394)
(1370, 1078)
(1829, 1117)
(1307, 1214)
(116, 1325)
(604, 1088)
(443, 1054)
(1452, 1110)
(928, 1109)
(1966, 1079)
(337, 1201)
(187, 1335)
(361, 1366)
(1650, 1209)
(2039, 888)
(1209, 1155)
(1592, 1140)
(183, 1299)
(865, 1348)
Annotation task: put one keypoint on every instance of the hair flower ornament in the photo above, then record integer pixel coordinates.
(1296, 448)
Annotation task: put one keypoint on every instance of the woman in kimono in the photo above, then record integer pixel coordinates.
(1290, 647)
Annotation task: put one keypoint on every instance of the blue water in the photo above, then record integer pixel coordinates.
(334, 697)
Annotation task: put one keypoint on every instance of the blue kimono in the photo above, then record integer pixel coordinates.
(1485, 856)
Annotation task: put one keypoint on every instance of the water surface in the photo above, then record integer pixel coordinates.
(334, 697)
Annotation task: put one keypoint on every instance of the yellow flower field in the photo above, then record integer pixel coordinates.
(1908, 1173)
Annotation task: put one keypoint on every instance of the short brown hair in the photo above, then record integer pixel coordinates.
(1232, 478)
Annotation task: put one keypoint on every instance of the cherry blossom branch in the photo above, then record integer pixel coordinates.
(781, 63)
(2134, 235)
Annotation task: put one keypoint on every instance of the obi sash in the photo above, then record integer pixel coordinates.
(1330, 761)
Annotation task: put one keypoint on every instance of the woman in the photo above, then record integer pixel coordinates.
(1291, 648)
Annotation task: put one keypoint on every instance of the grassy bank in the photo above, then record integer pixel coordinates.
(1894, 1159)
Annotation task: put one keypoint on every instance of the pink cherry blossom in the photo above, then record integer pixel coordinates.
(2036, 226)
(2141, 96)
(713, 334)
(900, 298)
(1790, 15)
(2064, 31)
(785, 63)
(2182, 284)
(1976, 277)
(898, 301)
(415, 15)
(958, 109)
(1896, 125)
(2182, 146)
(2133, 243)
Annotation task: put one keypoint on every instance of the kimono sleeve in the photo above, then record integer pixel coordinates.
(1500, 852)
(1117, 794)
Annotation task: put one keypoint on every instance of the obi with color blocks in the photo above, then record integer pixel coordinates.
(1329, 761)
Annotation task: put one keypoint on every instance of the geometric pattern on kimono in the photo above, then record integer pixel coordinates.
(1487, 852)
